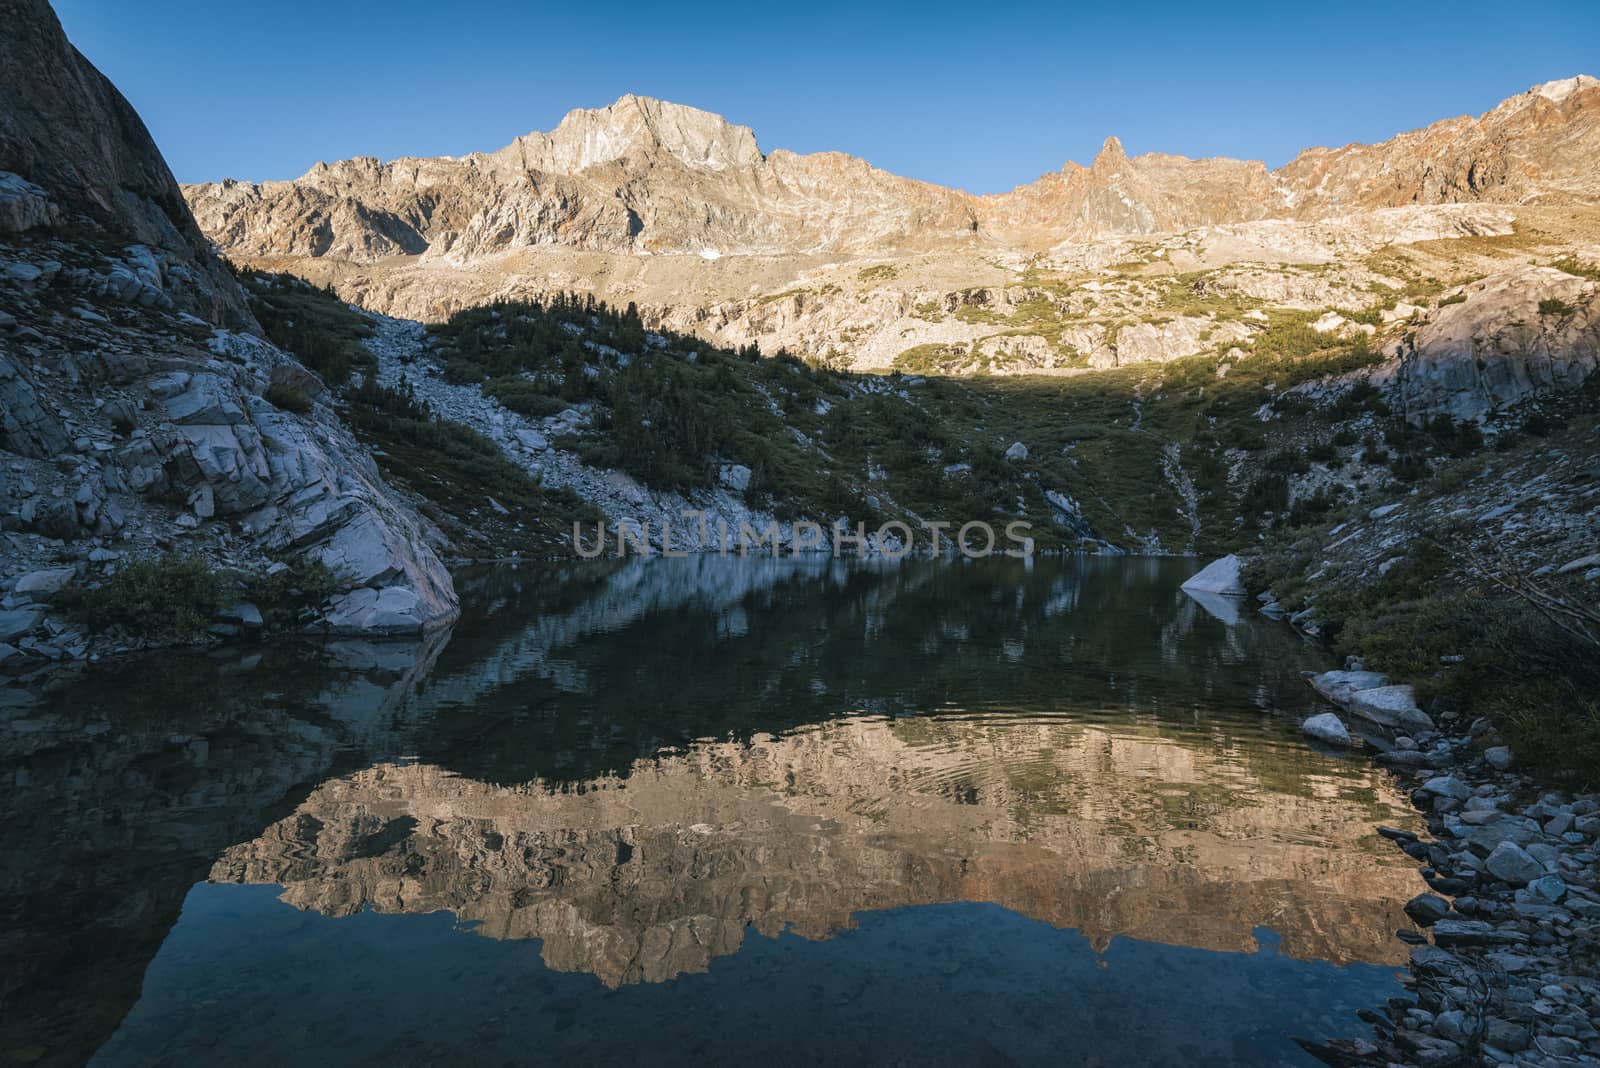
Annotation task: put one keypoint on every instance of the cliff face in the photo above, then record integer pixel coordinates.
(134, 410)
(66, 132)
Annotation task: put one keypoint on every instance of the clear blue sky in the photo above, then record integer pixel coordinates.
(981, 96)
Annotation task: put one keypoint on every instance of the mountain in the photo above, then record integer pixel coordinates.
(647, 176)
(680, 211)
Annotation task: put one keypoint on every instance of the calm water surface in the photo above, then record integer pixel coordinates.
(705, 811)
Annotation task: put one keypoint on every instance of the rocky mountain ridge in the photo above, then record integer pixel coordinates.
(644, 175)
(679, 211)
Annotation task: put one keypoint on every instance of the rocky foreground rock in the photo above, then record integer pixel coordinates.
(134, 410)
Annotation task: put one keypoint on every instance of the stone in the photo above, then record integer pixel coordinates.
(1512, 864)
(1472, 933)
(204, 501)
(243, 614)
(1505, 1035)
(1327, 728)
(19, 622)
(1453, 1026)
(1448, 786)
(207, 401)
(391, 610)
(42, 585)
(1219, 576)
(735, 476)
(1499, 757)
(1017, 452)
(1427, 909)
(531, 439)
(1337, 686)
(1549, 888)
(1390, 706)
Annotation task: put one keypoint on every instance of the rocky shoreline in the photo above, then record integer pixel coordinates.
(1505, 947)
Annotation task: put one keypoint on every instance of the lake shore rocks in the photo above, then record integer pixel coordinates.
(1502, 970)
(1328, 729)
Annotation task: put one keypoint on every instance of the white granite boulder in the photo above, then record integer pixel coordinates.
(1219, 576)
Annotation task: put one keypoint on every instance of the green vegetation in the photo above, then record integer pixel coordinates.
(1572, 265)
(167, 599)
(289, 398)
(1476, 632)
(878, 272)
(485, 504)
(461, 476)
(176, 598)
(1538, 681)
(320, 329)
(1554, 306)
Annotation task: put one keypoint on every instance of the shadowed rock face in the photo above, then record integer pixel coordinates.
(66, 130)
(133, 385)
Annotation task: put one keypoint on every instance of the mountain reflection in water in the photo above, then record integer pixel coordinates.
(636, 764)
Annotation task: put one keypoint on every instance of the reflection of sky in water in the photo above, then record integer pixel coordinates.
(247, 979)
(725, 809)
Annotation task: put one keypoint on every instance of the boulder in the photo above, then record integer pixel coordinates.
(531, 440)
(207, 400)
(19, 622)
(735, 476)
(1017, 452)
(42, 585)
(1497, 347)
(23, 205)
(1499, 757)
(1219, 576)
(1448, 786)
(1327, 728)
(1390, 706)
(1426, 910)
(1510, 863)
(394, 610)
(244, 614)
(1337, 686)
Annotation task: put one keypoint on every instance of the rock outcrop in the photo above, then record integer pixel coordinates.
(134, 410)
(73, 151)
(1513, 335)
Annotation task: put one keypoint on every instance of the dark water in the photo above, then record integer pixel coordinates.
(706, 811)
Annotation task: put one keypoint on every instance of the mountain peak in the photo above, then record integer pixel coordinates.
(1562, 88)
(643, 126)
(1111, 153)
